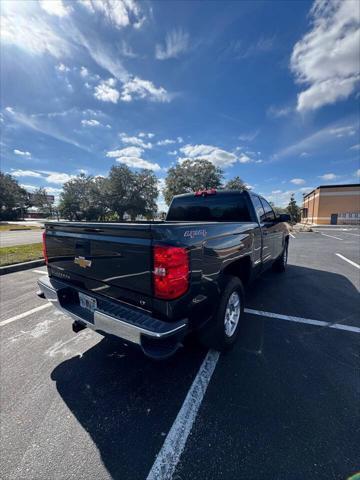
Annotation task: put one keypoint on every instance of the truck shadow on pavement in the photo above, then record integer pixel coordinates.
(127, 403)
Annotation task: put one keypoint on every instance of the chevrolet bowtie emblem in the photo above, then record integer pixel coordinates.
(82, 262)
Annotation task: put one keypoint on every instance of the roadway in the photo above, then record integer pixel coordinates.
(284, 403)
(19, 237)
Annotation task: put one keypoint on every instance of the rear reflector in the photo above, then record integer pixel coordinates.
(171, 272)
(44, 247)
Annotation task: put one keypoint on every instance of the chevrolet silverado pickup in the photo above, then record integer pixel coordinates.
(152, 283)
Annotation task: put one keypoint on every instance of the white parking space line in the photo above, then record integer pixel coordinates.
(309, 321)
(347, 260)
(25, 314)
(169, 455)
(332, 236)
(291, 235)
(44, 272)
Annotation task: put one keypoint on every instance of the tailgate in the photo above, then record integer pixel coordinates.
(109, 258)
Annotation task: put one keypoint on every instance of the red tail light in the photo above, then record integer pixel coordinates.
(44, 247)
(171, 272)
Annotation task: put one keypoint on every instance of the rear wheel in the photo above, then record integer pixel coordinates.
(280, 263)
(222, 331)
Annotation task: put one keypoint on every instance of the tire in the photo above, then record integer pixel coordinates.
(280, 263)
(223, 329)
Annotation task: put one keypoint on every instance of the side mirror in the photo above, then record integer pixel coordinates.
(284, 217)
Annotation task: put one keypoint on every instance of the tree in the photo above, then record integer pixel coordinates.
(75, 199)
(121, 182)
(293, 210)
(40, 199)
(144, 192)
(13, 198)
(190, 176)
(235, 183)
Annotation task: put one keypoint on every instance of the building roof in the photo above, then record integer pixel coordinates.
(333, 186)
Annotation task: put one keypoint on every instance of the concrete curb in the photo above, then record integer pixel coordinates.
(17, 267)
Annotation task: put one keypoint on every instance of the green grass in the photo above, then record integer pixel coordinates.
(7, 227)
(20, 253)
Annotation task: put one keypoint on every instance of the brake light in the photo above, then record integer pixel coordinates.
(203, 193)
(171, 272)
(44, 247)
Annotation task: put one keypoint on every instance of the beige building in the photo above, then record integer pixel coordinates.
(332, 205)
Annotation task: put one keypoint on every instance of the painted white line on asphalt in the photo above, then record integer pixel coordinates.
(309, 321)
(293, 236)
(347, 260)
(331, 236)
(25, 314)
(169, 455)
(44, 272)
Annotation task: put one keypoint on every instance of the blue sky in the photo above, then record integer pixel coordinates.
(266, 90)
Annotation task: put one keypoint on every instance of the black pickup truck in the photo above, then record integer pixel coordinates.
(152, 283)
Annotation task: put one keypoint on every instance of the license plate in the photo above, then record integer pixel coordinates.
(87, 302)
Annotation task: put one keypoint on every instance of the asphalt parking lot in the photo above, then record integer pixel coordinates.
(283, 404)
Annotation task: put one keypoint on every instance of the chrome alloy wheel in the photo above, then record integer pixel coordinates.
(232, 314)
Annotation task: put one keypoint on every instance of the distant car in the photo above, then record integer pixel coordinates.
(151, 283)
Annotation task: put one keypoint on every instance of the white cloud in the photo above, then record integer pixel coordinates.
(28, 188)
(105, 91)
(317, 140)
(347, 131)
(62, 68)
(174, 152)
(22, 153)
(217, 156)
(25, 173)
(297, 181)
(167, 141)
(36, 36)
(90, 123)
(120, 13)
(238, 50)
(176, 43)
(127, 51)
(57, 177)
(243, 158)
(136, 162)
(41, 125)
(84, 72)
(249, 136)
(304, 154)
(136, 88)
(148, 135)
(355, 147)
(138, 142)
(55, 7)
(180, 140)
(327, 58)
(126, 152)
(279, 112)
(328, 176)
(357, 173)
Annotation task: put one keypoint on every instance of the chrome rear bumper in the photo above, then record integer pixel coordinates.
(113, 318)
